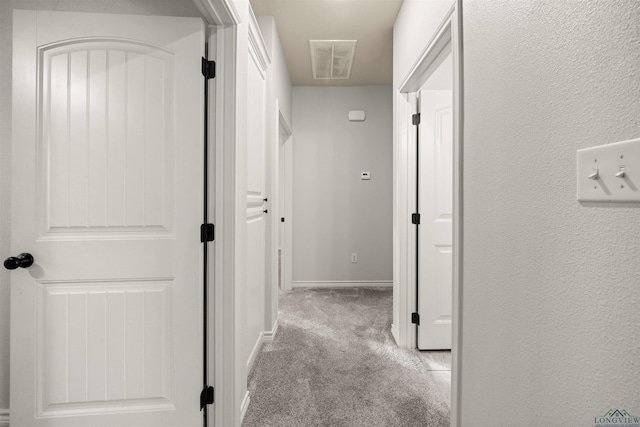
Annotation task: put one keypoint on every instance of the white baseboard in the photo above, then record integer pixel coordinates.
(245, 405)
(255, 352)
(341, 284)
(4, 418)
(394, 333)
(270, 335)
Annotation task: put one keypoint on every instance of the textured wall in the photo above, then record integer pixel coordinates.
(334, 212)
(551, 287)
(140, 7)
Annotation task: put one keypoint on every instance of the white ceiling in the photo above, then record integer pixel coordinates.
(370, 22)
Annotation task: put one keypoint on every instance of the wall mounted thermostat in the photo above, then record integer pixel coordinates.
(357, 115)
(365, 175)
(610, 173)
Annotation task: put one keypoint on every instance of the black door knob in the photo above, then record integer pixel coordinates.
(23, 261)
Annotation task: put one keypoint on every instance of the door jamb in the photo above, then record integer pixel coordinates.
(448, 37)
(224, 21)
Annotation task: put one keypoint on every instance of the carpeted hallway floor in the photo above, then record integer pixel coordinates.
(334, 363)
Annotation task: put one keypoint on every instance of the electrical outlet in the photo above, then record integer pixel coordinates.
(354, 257)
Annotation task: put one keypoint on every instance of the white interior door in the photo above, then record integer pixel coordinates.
(106, 326)
(281, 205)
(256, 216)
(284, 202)
(281, 185)
(435, 201)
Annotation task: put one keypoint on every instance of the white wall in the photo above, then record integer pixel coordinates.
(551, 287)
(282, 89)
(415, 25)
(142, 7)
(334, 212)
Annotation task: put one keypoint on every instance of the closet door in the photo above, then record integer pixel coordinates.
(106, 325)
(435, 200)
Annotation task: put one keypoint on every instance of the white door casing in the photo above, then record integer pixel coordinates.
(281, 187)
(285, 203)
(106, 326)
(435, 200)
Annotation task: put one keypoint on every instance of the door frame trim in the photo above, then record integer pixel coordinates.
(224, 21)
(226, 343)
(448, 37)
(287, 244)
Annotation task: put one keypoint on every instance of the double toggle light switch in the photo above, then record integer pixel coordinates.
(610, 173)
(595, 174)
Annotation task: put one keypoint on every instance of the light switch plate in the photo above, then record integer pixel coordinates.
(365, 175)
(609, 160)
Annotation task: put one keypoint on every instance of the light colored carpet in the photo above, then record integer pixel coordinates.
(334, 363)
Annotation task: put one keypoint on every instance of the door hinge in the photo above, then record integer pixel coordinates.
(415, 119)
(207, 232)
(415, 218)
(208, 68)
(206, 396)
(415, 318)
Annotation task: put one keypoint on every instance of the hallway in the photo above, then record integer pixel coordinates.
(153, 198)
(333, 362)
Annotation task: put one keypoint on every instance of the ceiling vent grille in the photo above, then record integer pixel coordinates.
(332, 59)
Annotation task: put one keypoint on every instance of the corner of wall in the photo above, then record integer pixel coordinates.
(270, 335)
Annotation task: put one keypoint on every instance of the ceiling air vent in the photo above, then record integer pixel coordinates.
(332, 59)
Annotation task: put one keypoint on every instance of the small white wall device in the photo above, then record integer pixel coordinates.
(610, 173)
(365, 175)
(357, 115)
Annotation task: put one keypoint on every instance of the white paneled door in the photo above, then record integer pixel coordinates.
(256, 213)
(435, 201)
(106, 325)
